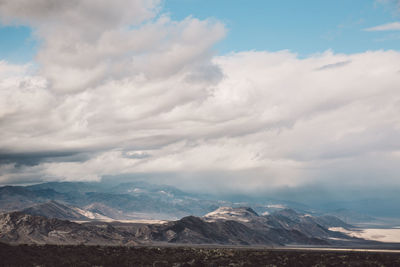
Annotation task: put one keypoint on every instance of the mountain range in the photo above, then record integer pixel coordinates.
(125, 201)
(244, 227)
(133, 200)
(130, 214)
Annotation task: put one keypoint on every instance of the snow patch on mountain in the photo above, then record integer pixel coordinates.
(241, 214)
(91, 215)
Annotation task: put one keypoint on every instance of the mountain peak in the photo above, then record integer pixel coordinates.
(243, 214)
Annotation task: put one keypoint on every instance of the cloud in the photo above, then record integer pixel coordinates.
(272, 120)
(394, 26)
(147, 96)
(85, 43)
(95, 13)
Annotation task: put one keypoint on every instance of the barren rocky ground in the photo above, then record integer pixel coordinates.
(52, 255)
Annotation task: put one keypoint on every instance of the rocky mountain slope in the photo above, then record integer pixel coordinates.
(285, 226)
(227, 226)
(19, 228)
(54, 209)
(242, 214)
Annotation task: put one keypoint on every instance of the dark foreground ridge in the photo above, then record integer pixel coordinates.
(52, 255)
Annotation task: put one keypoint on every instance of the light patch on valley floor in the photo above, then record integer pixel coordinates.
(383, 235)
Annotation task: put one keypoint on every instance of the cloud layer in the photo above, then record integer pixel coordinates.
(138, 93)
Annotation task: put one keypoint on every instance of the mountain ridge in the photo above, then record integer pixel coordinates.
(274, 229)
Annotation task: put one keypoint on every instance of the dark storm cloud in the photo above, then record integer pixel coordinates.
(36, 158)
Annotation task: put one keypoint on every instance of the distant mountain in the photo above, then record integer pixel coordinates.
(141, 187)
(332, 221)
(68, 187)
(143, 200)
(351, 216)
(17, 197)
(125, 201)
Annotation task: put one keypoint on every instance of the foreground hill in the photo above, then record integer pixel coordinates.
(286, 226)
(19, 228)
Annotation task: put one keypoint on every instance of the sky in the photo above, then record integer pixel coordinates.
(221, 96)
(304, 29)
